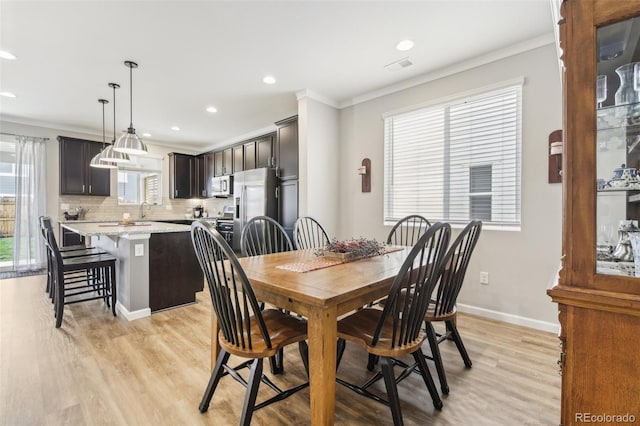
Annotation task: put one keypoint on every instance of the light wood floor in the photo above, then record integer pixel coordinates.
(98, 369)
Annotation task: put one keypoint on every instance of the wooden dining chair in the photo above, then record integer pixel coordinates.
(263, 235)
(308, 233)
(245, 330)
(443, 306)
(79, 278)
(397, 330)
(408, 230)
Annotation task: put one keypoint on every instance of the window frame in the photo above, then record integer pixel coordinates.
(445, 102)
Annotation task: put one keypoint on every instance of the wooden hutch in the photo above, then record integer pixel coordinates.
(598, 295)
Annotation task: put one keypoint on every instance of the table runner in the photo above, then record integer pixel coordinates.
(323, 262)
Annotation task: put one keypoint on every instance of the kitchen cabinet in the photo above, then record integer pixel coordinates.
(173, 279)
(287, 193)
(209, 172)
(287, 148)
(200, 190)
(76, 176)
(238, 158)
(181, 175)
(249, 155)
(264, 151)
(598, 299)
(223, 162)
(70, 238)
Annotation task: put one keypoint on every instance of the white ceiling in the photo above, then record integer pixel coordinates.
(196, 54)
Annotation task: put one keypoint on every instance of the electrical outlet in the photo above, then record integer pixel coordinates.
(64, 206)
(484, 278)
(139, 250)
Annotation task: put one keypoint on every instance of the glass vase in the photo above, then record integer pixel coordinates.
(626, 93)
(634, 238)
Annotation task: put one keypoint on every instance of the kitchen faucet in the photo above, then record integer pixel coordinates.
(142, 209)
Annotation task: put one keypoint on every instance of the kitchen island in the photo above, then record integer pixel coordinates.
(157, 268)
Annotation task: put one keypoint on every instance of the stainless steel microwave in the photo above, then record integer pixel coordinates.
(222, 186)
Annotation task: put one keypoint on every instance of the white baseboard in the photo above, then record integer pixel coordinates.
(510, 318)
(133, 315)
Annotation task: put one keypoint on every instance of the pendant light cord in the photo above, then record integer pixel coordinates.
(131, 96)
(103, 142)
(114, 113)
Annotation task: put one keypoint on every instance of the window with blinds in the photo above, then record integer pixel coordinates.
(140, 181)
(456, 161)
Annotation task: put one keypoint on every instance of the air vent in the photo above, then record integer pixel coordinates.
(398, 65)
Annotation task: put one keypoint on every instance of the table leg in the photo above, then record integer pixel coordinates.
(322, 332)
(215, 345)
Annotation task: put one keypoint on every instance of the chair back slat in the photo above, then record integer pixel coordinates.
(263, 235)
(455, 265)
(232, 296)
(308, 233)
(417, 277)
(408, 230)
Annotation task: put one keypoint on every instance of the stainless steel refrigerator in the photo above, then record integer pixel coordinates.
(254, 193)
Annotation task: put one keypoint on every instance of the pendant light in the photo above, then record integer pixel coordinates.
(95, 161)
(109, 154)
(130, 143)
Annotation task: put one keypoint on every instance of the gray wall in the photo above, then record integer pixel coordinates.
(520, 264)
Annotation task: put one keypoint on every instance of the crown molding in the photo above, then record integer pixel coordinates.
(89, 132)
(477, 61)
(316, 97)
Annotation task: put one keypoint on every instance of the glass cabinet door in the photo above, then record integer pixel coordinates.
(618, 147)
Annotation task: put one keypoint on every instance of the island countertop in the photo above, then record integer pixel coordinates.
(96, 229)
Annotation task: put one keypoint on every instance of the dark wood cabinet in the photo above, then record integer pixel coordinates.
(288, 204)
(249, 155)
(598, 302)
(76, 176)
(200, 190)
(238, 158)
(264, 152)
(223, 162)
(173, 279)
(181, 175)
(70, 238)
(287, 148)
(209, 173)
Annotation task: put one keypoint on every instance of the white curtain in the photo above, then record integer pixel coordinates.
(28, 250)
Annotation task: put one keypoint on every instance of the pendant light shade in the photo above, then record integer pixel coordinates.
(130, 143)
(95, 161)
(109, 155)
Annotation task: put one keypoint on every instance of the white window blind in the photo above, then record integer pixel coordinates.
(456, 161)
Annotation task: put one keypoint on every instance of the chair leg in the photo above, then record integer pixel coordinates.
(437, 358)
(59, 300)
(252, 392)
(373, 360)
(216, 375)
(392, 390)
(458, 340)
(113, 287)
(428, 380)
(276, 362)
(304, 354)
(340, 351)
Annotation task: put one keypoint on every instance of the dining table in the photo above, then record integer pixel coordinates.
(320, 289)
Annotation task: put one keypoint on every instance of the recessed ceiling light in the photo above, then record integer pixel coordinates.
(7, 94)
(175, 128)
(146, 135)
(269, 79)
(7, 55)
(404, 45)
(212, 109)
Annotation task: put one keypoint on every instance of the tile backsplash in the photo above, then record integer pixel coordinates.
(107, 208)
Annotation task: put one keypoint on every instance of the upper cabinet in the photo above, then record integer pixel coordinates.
(182, 171)
(287, 148)
(223, 162)
(76, 176)
(264, 151)
(238, 158)
(598, 292)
